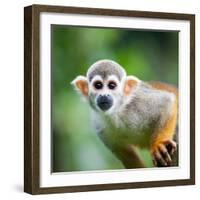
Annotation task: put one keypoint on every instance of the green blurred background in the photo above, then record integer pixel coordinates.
(149, 55)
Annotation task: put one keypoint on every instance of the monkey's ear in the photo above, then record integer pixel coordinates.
(130, 84)
(81, 84)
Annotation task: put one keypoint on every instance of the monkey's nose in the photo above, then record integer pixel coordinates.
(104, 102)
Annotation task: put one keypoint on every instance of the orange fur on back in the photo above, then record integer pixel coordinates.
(164, 86)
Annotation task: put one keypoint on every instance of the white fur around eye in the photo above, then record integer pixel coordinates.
(91, 85)
(113, 78)
(96, 78)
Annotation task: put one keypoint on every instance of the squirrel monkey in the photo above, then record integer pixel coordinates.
(129, 114)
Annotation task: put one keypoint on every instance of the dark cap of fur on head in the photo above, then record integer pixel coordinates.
(104, 68)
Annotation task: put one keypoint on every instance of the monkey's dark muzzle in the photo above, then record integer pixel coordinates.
(104, 102)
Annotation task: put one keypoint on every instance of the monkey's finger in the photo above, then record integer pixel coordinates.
(165, 154)
(174, 147)
(154, 162)
(171, 146)
(172, 151)
(158, 157)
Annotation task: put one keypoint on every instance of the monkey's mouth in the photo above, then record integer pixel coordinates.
(105, 106)
(105, 102)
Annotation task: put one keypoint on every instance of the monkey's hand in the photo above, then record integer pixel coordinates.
(162, 152)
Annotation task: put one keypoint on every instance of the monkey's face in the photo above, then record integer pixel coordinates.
(106, 86)
(105, 94)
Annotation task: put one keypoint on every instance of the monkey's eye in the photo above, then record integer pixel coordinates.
(112, 85)
(98, 85)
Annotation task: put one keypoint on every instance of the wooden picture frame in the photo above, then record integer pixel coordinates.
(32, 106)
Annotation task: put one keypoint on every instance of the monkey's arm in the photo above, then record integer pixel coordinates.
(162, 144)
(127, 154)
(170, 125)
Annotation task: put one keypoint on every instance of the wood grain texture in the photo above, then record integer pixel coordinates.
(27, 100)
(32, 90)
(192, 98)
(31, 100)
